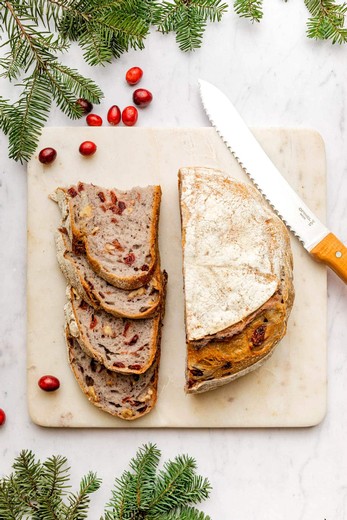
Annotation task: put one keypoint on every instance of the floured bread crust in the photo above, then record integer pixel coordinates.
(237, 276)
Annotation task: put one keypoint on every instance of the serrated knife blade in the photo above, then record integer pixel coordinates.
(323, 245)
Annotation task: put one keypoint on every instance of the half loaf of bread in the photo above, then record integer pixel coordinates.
(135, 304)
(117, 230)
(237, 266)
(127, 396)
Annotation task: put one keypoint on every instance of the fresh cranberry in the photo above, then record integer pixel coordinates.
(2, 417)
(134, 75)
(49, 383)
(93, 120)
(85, 105)
(129, 116)
(114, 115)
(87, 148)
(142, 97)
(47, 155)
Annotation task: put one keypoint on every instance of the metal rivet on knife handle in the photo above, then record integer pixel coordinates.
(333, 253)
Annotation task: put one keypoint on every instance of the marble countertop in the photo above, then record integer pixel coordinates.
(276, 77)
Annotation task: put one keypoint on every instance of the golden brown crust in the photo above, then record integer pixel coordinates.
(220, 361)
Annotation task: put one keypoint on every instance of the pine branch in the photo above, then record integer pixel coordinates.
(252, 9)
(327, 20)
(6, 114)
(142, 494)
(95, 25)
(31, 112)
(36, 491)
(188, 18)
(40, 491)
(122, 505)
(79, 504)
(185, 513)
(177, 486)
(144, 467)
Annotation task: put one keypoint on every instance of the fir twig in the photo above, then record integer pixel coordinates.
(188, 18)
(169, 495)
(251, 9)
(327, 21)
(37, 491)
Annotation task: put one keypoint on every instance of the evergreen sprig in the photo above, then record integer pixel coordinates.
(38, 490)
(251, 9)
(188, 18)
(148, 494)
(327, 21)
(36, 33)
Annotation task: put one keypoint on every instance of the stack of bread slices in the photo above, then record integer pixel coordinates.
(107, 248)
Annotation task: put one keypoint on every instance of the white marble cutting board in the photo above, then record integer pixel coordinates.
(289, 390)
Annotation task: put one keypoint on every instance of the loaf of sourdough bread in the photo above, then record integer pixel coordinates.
(127, 396)
(138, 303)
(237, 266)
(120, 344)
(117, 230)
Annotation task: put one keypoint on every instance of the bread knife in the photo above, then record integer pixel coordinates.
(322, 245)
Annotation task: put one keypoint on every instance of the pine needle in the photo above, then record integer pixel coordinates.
(188, 18)
(327, 21)
(144, 493)
(251, 9)
(39, 491)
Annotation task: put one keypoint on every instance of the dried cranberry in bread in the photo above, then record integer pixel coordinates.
(116, 229)
(237, 266)
(135, 304)
(127, 396)
(122, 345)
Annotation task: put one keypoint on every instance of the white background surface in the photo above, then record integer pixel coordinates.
(276, 77)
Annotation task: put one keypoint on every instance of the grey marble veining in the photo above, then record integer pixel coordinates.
(276, 77)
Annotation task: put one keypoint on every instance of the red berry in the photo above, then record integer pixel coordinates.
(142, 97)
(49, 383)
(114, 115)
(2, 417)
(85, 105)
(129, 116)
(93, 120)
(47, 155)
(87, 148)
(134, 75)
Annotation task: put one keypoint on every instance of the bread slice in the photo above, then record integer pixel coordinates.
(122, 345)
(127, 396)
(116, 229)
(135, 304)
(237, 266)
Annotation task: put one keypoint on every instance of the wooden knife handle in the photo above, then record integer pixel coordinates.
(333, 253)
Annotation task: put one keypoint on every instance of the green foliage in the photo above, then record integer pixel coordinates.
(252, 9)
(36, 32)
(148, 494)
(327, 20)
(188, 19)
(39, 491)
